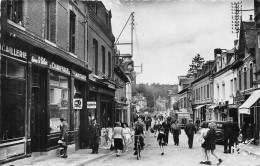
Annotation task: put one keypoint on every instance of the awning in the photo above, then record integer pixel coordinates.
(199, 106)
(212, 106)
(245, 107)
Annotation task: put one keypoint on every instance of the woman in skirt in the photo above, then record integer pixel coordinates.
(127, 134)
(119, 138)
(161, 139)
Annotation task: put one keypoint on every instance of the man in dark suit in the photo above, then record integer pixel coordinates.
(95, 134)
(231, 132)
(190, 130)
(167, 126)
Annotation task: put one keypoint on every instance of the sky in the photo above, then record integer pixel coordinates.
(167, 35)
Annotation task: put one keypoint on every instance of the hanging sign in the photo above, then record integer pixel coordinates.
(91, 104)
(77, 103)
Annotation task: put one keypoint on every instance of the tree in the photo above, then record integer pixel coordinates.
(197, 63)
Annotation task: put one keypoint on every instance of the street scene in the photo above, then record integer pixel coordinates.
(129, 82)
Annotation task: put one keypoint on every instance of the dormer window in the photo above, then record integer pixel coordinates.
(15, 11)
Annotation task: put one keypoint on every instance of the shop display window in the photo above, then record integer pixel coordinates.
(59, 98)
(13, 91)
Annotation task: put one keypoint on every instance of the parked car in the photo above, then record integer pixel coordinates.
(219, 131)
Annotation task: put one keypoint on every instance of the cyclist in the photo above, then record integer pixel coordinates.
(139, 128)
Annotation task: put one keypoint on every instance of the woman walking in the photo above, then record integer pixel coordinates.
(176, 131)
(127, 134)
(210, 144)
(201, 140)
(161, 139)
(118, 136)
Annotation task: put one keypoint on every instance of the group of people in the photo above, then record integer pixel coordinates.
(207, 141)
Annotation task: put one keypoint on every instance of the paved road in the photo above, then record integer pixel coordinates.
(174, 155)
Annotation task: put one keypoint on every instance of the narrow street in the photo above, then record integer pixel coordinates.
(174, 155)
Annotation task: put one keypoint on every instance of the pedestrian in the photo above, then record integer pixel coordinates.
(95, 134)
(139, 128)
(119, 138)
(64, 136)
(167, 126)
(190, 130)
(197, 123)
(231, 132)
(201, 140)
(176, 131)
(161, 139)
(155, 127)
(128, 135)
(210, 144)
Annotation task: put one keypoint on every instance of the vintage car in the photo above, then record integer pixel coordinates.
(219, 131)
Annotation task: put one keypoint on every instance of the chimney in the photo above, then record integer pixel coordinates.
(251, 18)
(216, 51)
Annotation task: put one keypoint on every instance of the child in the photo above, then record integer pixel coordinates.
(161, 139)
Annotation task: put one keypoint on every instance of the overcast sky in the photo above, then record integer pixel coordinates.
(168, 34)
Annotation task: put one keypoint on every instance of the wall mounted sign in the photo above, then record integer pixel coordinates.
(92, 104)
(13, 51)
(78, 75)
(59, 68)
(77, 103)
(39, 60)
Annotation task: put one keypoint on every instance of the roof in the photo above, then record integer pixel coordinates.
(185, 80)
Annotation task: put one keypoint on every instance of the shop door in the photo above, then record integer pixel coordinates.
(38, 110)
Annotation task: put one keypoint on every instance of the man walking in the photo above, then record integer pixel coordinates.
(190, 130)
(95, 134)
(167, 126)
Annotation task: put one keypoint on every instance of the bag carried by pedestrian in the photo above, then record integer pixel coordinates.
(152, 130)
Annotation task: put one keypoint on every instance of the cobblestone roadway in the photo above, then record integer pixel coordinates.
(174, 155)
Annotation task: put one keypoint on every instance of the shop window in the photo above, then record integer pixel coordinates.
(13, 104)
(15, 11)
(72, 32)
(103, 60)
(59, 100)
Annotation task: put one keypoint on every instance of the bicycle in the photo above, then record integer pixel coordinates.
(138, 147)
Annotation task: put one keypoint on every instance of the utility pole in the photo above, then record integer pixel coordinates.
(236, 12)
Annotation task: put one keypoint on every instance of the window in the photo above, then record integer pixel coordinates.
(245, 77)
(50, 20)
(231, 88)
(103, 60)
(251, 75)
(109, 64)
(185, 102)
(235, 85)
(59, 100)
(95, 46)
(239, 81)
(223, 92)
(13, 86)
(218, 92)
(15, 11)
(72, 32)
(205, 93)
(207, 90)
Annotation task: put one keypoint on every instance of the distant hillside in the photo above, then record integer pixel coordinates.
(153, 91)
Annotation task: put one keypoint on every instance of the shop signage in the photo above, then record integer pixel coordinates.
(59, 68)
(78, 75)
(77, 103)
(91, 104)
(13, 51)
(239, 98)
(39, 60)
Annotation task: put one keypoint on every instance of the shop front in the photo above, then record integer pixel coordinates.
(13, 113)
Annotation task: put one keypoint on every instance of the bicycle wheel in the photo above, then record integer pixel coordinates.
(138, 151)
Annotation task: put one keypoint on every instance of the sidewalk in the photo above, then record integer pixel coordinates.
(253, 150)
(78, 158)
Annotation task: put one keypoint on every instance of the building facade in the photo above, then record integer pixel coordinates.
(43, 76)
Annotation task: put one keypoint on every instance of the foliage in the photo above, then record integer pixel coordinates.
(153, 91)
(197, 63)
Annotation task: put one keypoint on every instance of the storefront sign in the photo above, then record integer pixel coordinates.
(78, 75)
(91, 104)
(39, 60)
(13, 51)
(59, 68)
(77, 103)
(239, 98)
